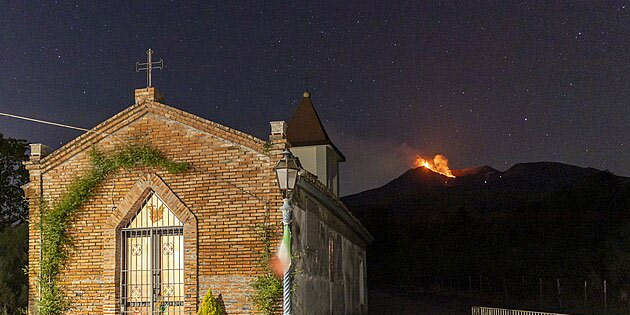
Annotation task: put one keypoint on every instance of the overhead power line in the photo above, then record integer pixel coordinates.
(60, 125)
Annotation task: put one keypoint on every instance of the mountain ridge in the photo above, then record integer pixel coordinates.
(524, 217)
(528, 175)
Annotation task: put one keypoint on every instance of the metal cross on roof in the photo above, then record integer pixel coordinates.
(149, 65)
(306, 78)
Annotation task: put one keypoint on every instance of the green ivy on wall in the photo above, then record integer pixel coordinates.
(56, 218)
(267, 288)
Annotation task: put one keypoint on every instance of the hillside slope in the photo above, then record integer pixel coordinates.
(532, 220)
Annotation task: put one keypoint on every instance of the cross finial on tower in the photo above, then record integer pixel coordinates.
(149, 65)
(306, 78)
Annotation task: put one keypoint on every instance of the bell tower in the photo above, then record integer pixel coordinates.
(311, 144)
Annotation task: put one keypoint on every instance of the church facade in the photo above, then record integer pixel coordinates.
(150, 242)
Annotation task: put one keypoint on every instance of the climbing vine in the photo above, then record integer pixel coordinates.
(267, 288)
(56, 217)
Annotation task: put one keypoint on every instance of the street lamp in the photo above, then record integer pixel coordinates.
(287, 173)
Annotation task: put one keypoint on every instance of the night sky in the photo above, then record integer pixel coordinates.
(482, 84)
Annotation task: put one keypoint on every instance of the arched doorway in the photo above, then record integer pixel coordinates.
(152, 260)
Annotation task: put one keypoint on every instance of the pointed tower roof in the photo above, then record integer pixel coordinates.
(306, 129)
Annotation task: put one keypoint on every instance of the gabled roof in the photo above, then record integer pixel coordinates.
(306, 129)
(136, 111)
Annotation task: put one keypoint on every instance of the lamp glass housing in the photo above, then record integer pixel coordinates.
(287, 172)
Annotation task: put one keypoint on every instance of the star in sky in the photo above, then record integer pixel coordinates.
(494, 84)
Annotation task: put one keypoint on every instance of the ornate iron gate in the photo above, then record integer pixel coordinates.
(152, 261)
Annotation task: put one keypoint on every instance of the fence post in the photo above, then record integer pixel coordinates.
(505, 293)
(523, 289)
(584, 293)
(605, 299)
(540, 289)
(469, 286)
(558, 285)
(480, 283)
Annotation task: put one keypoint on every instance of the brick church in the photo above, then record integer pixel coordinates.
(145, 235)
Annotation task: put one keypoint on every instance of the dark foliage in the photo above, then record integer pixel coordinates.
(13, 260)
(13, 208)
(533, 220)
(13, 229)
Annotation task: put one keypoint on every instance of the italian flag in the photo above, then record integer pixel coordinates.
(281, 262)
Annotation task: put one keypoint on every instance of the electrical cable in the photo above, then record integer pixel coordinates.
(60, 125)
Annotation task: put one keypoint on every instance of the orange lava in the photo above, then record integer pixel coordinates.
(439, 164)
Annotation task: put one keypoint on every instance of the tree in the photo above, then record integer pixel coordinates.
(618, 261)
(13, 258)
(13, 207)
(13, 230)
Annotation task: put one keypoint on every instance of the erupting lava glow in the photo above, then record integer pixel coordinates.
(439, 164)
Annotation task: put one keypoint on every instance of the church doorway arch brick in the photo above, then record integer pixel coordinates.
(122, 216)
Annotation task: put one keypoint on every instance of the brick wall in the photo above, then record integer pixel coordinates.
(228, 191)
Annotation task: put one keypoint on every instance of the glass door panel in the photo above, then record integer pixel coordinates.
(172, 272)
(137, 274)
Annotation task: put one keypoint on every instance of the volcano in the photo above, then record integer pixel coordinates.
(532, 220)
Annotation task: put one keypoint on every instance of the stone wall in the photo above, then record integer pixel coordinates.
(319, 287)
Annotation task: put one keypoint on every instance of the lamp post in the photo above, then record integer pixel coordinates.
(287, 173)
